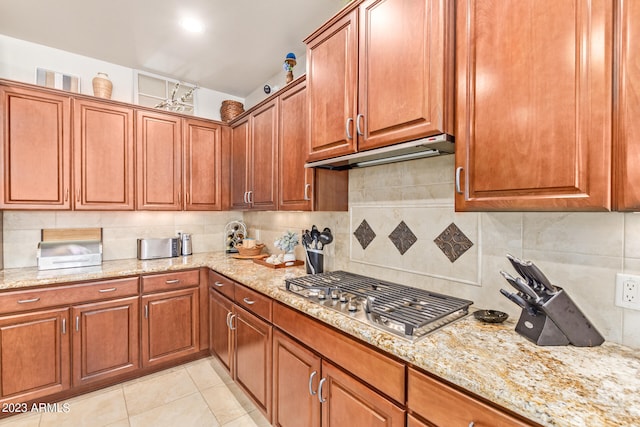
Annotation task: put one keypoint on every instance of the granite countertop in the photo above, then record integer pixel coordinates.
(553, 386)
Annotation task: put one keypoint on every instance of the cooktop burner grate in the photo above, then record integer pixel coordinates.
(401, 309)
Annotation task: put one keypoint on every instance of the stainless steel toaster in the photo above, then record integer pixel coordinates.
(158, 248)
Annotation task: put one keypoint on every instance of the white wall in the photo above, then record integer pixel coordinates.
(277, 82)
(19, 59)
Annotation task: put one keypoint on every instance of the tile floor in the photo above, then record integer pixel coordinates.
(199, 393)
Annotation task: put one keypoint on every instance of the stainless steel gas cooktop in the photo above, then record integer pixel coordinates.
(405, 311)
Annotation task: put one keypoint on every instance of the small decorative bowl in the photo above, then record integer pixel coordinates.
(490, 316)
(250, 251)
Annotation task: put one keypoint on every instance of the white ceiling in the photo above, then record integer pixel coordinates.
(244, 42)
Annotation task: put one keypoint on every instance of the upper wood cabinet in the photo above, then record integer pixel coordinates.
(534, 101)
(627, 109)
(103, 156)
(203, 165)
(254, 159)
(35, 160)
(380, 74)
(158, 161)
(295, 183)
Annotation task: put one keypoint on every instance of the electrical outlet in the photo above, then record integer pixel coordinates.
(628, 291)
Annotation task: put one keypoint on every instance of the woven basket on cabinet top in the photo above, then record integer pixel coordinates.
(230, 109)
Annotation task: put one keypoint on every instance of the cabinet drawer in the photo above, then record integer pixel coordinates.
(443, 405)
(221, 284)
(253, 301)
(170, 281)
(24, 300)
(369, 365)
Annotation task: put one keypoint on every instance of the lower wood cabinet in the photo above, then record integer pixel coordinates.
(445, 406)
(170, 328)
(242, 339)
(34, 355)
(105, 339)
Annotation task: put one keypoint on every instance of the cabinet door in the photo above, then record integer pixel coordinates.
(627, 125)
(170, 328)
(240, 164)
(202, 165)
(220, 336)
(405, 77)
(103, 156)
(253, 358)
(36, 149)
(345, 398)
(105, 339)
(296, 373)
(264, 157)
(34, 355)
(332, 79)
(534, 96)
(295, 180)
(158, 161)
(415, 422)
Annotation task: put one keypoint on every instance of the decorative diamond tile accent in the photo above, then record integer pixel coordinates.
(453, 242)
(364, 234)
(402, 237)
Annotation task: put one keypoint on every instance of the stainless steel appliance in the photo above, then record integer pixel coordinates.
(158, 248)
(185, 244)
(68, 254)
(405, 311)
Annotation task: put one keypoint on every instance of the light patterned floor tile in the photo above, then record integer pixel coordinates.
(244, 421)
(191, 411)
(21, 420)
(98, 410)
(157, 391)
(223, 404)
(203, 374)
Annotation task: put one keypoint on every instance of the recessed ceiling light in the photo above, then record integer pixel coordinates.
(192, 25)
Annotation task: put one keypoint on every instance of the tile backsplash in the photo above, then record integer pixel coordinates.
(120, 231)
(580, 251)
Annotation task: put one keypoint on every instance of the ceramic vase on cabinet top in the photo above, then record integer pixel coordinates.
(102, 86)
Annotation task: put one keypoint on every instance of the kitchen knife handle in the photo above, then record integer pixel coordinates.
(311, 391)
(349, 120)
(458, 185)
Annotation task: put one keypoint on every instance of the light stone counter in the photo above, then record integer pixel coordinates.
(553, 386)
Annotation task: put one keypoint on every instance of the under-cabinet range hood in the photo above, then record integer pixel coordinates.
(417, 149)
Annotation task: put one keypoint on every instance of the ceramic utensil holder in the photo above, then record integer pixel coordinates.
(559, 322)
(315, 261)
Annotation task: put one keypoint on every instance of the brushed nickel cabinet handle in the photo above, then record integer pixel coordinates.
(471, 424)
(458, 186)
(77, 323)
(78, 195)
(249, 198)
(358, 130)
(64, 326)
(172, 281)
(146, 311)
(311, 391)
(66, 194)
(320, 385)
(248, 301)
(307, 188)
(228, 322)
(102, 291)
(27, 301)
(347, 128)
(233, 328)
(218, 284)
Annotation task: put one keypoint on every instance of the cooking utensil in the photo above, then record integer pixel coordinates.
(325, 237)
(315, 235)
